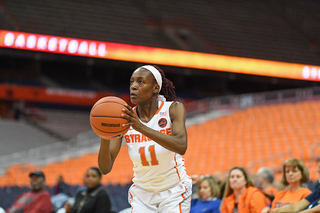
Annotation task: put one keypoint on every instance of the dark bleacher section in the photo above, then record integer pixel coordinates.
(258, 29)
(303, 16)
(120, 21)
(276, 30)
(117, 193)
(243, 28)
(20, 71)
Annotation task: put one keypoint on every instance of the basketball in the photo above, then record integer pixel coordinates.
(106, 120)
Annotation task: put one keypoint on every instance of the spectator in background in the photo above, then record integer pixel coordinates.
(67, 205)
(294, 175)
(38, 200)
(17, 108)
(263, 180)
(61, 193)
(217, 177)
(195, 178)
(94, 199)
(61, 187)
(317, 183)
(309, 204)
(208, 191)
(240, 195)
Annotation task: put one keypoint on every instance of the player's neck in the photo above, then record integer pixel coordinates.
(147, 111)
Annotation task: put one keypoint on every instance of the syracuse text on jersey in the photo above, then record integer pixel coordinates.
(139, 138)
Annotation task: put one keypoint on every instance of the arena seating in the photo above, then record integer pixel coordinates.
(257, 136)
(66, 123)
(253, 137)
(233, 31)
(28, 137)
(105, 21)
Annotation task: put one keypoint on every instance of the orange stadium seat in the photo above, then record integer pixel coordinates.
(252, 134)
(253, 137)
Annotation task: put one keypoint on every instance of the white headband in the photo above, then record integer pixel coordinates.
(155, 73)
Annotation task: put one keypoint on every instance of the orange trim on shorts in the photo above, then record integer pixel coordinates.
(183, 199)
(131, 195)
(176, 166)
(130, 192)
(185, 189)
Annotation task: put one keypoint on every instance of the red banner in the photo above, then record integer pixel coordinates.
(161, 56)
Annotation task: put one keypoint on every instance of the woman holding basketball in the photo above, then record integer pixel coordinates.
(157, 139)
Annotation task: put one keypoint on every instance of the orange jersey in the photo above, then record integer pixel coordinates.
(271, 191)
(286, 197)
(251, 201)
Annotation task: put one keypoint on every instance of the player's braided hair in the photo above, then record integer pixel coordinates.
(167, 89)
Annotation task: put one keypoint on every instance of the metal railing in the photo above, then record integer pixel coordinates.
(234, 102)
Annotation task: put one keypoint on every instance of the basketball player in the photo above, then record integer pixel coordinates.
(157, 139)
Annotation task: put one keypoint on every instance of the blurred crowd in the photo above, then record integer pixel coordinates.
(238, 192)
(235, 192)
(90, 198)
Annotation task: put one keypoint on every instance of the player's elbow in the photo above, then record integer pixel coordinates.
(182, 150)
(105, 171)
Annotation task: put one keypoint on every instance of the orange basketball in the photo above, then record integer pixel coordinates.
(106, 120)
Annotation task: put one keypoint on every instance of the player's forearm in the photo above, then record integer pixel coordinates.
(170, 142)
(104, 157)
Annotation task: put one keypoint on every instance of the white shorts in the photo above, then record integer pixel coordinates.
(174, 200)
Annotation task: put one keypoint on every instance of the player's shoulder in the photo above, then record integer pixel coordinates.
(177, 110)
(176, 104)
(177, 107)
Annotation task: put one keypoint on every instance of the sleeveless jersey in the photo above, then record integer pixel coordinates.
(155, 167)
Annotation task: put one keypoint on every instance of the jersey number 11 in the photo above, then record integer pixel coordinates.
(144, 161)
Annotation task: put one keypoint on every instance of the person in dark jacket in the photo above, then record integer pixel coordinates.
(94, 199)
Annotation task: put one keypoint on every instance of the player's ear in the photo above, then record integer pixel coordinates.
(156, 88)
